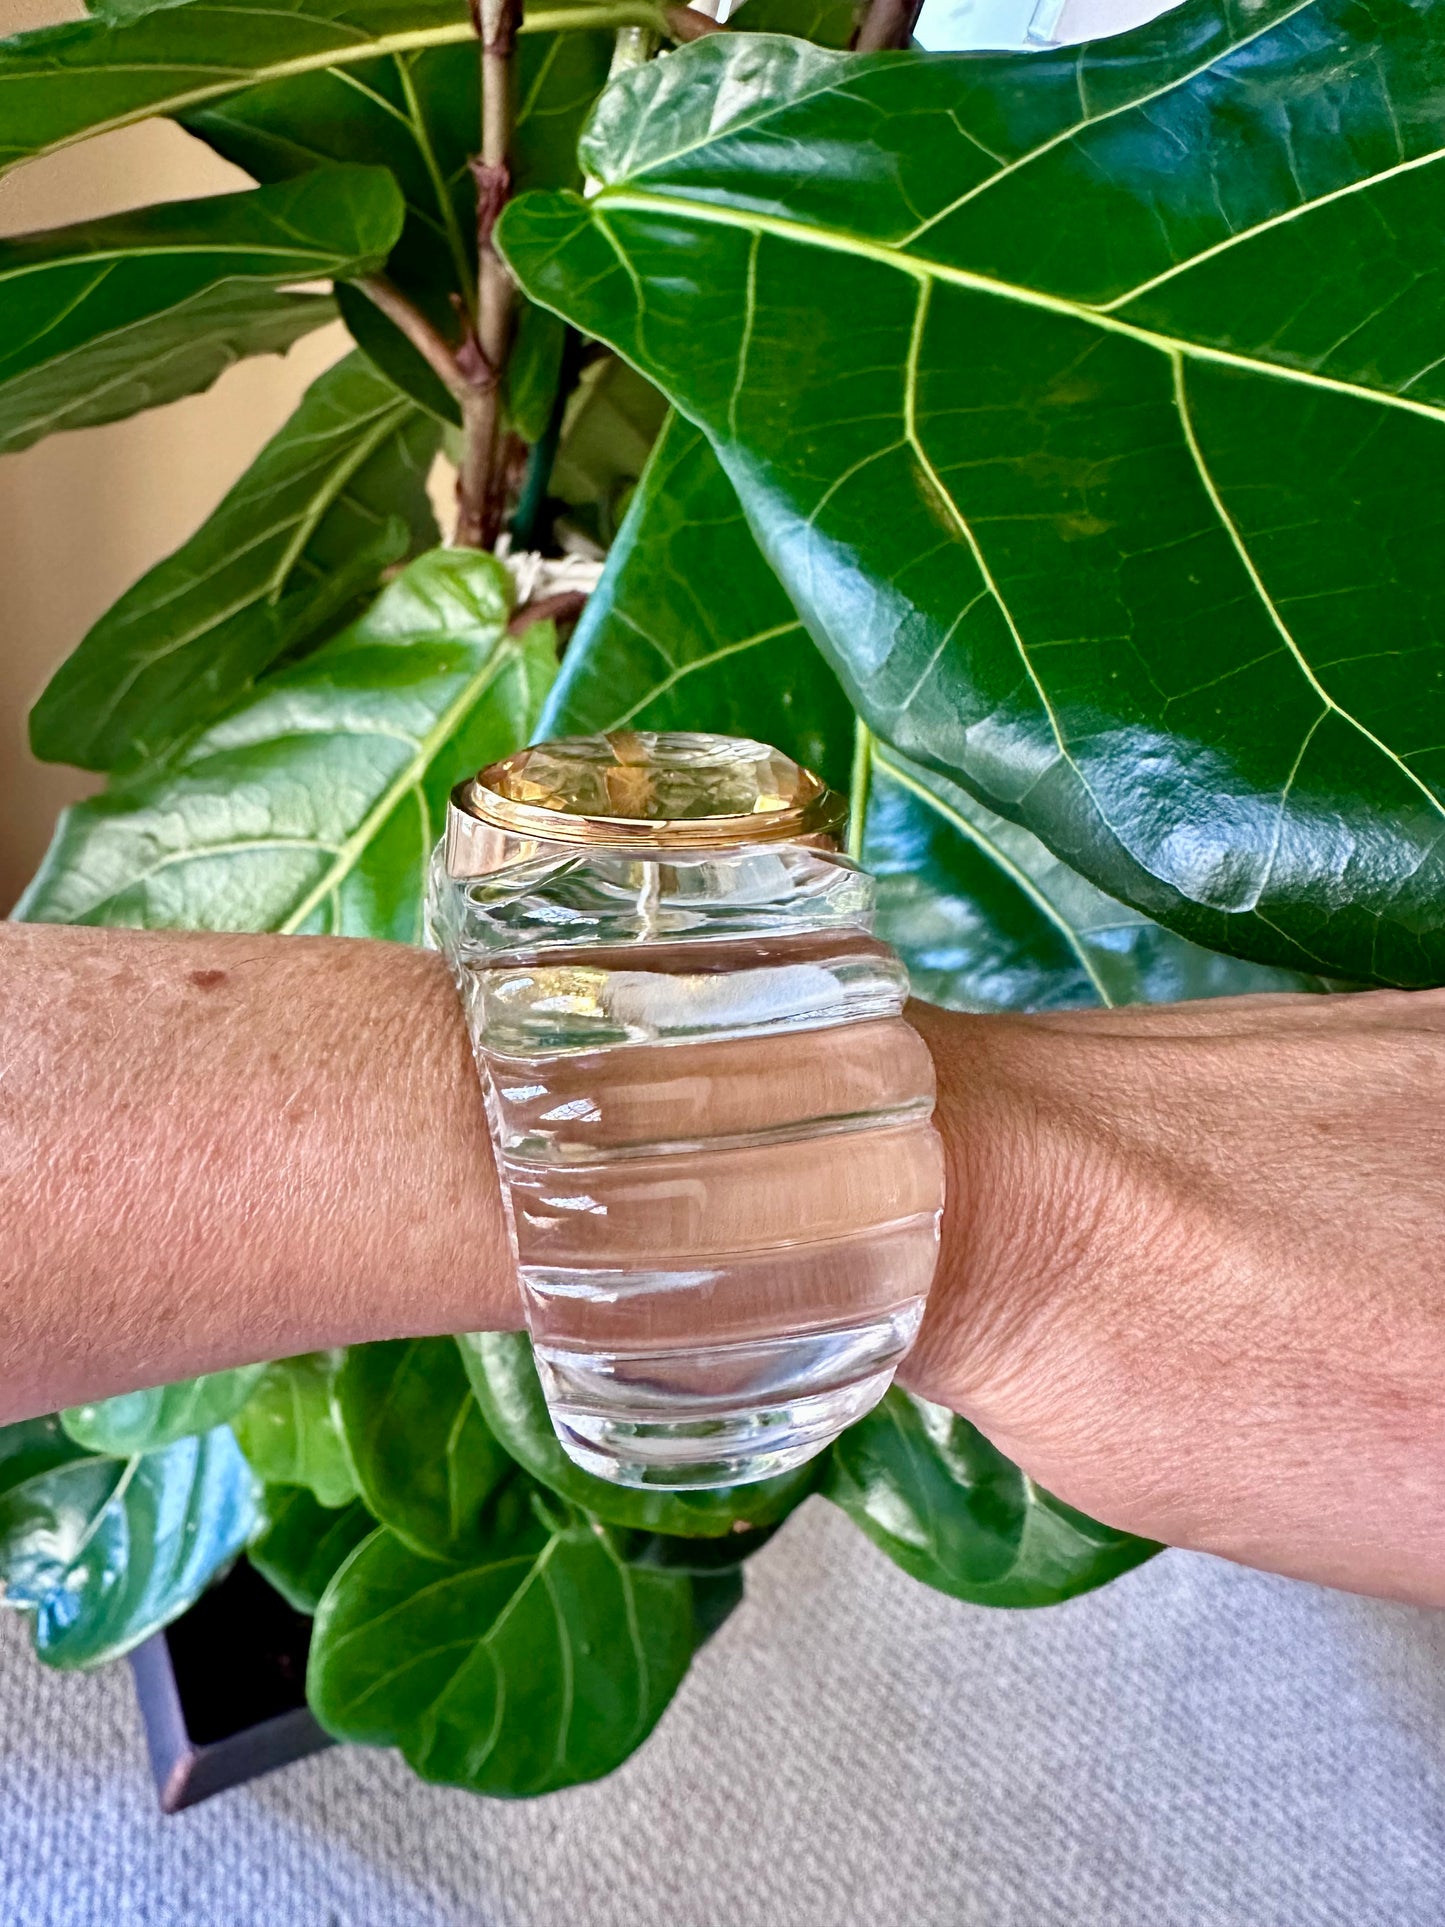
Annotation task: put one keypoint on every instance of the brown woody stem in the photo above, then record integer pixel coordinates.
(887, 24)
(686, 23)
(564, 606)
(481, 487)
(418, 330)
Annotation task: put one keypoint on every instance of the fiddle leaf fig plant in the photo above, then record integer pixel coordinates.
(1045, 447)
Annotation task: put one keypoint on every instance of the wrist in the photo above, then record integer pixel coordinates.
(1009, 1163)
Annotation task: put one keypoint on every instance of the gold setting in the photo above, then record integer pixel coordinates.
(550, 792)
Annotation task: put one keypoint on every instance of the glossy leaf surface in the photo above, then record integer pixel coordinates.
(62, 83)
(290, 1429)
(314, 802)
(118, 315)
(954, 1512)
(103, 1551)
(542, 1662)
(34, 1446)
(424, 1458)
(303, 1543)
(690, 629)
(1090, 408)
(500, 1367)
(142, 1421)
(345, 477)
(987, 918)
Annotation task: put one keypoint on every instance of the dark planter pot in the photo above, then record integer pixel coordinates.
(223, 1691)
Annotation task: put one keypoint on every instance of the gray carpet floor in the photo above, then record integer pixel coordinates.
(1195, 1745)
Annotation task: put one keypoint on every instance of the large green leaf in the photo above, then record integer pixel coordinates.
(986, 918)
(500, 1367)
(117, 315)
(345, 477)
(103, 1551)
(314, 802)
(303, 1543)
(690, 629)
(1089, 406)
(424, 1457)
(62, 83)
(954, 1512)
(142, 1421)
(290, 1428)
(542, 1662)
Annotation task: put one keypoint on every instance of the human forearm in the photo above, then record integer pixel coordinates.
(1191, 1274)
(216, 1149)
(1194, 1275)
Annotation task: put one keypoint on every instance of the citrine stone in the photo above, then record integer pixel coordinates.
(655, 776)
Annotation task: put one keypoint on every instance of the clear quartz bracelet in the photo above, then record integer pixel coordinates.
(712, 1121)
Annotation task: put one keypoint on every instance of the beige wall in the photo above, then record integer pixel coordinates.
(83, 514)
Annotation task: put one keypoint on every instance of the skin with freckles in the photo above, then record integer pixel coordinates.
(1192, 1274)
(218, 1149)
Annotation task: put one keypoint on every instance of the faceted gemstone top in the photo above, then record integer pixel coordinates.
(656, 776)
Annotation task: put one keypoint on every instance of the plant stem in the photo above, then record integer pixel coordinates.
(686, 23)
(526, 522)
(480, 485)
(887, 23)
(633, 47)
(565, 606)
(418, 331)
(590, 17)
(859, 787)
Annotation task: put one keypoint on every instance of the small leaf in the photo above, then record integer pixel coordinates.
(951, 1510)
(290, 1431)
(34, 1446)
(104, 1551)
(142, 1421)
(118, 315)
(544, 1661)
(303, 1544)
(344, 478)
(690, 629)
(314, 802)
(424, 1457)
(500, 1367)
